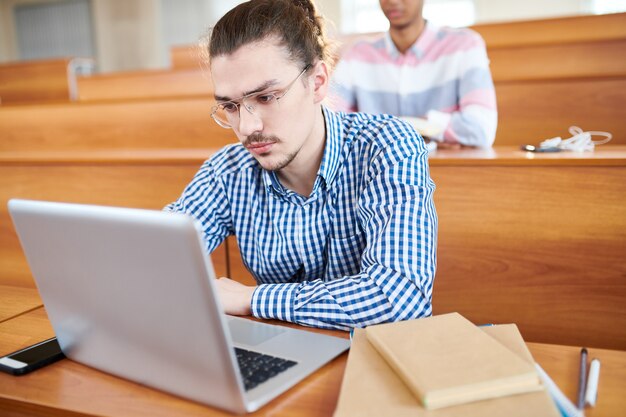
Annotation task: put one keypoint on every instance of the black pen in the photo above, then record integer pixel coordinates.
(582, 378)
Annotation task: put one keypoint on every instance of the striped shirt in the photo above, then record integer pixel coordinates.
(361, 249)
(444, 77)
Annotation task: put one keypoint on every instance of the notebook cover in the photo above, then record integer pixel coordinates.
(371, 388)
(446, 360)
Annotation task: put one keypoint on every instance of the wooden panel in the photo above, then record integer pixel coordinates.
(140, 185)
(68, 385)
(543, 62)
(542, 247)
(25, 330)
(561, 363)
(536, 240)
(524, 33)
(529, 112)
(145, 85)
(187, 57)
(551, 31)
(112, 125)
(549, 229)
(35, 81)
(512, 156)
(67, 388)
(17, 300)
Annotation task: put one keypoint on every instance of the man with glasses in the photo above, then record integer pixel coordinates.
(333, 212)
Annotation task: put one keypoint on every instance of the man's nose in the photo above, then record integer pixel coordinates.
(249, 122)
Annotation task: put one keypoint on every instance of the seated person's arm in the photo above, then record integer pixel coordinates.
(204, 199)
(458, 109)
(475, 120)
(397, 267)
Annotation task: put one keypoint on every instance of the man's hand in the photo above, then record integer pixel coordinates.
(235, 297)
(446, 145)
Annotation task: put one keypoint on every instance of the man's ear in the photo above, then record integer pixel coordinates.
(320, 81)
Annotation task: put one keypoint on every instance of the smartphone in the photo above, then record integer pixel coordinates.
(531, 148)
(32, 357)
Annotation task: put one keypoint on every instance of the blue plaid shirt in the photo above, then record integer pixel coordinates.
(360, 250)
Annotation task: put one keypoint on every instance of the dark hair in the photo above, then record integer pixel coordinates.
(295, 23)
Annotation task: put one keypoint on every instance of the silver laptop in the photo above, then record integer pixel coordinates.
(131, 292)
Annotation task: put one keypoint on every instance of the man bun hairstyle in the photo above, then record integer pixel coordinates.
(295, 23)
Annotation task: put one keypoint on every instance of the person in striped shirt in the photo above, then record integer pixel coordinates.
(419, 70)
(333, 212)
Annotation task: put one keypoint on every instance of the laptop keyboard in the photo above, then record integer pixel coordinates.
(257, 367)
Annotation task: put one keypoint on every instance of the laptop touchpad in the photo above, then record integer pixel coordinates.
(251, 333)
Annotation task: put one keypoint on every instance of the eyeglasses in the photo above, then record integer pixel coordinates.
(226, 114)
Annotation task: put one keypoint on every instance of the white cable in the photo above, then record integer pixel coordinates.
(580, 141)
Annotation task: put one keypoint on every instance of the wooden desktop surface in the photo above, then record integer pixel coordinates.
(17, 300)
(603, 155)
(67, 388)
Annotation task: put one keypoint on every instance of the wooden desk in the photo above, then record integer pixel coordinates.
(17, 300)
(67, 388)
(534, 239)
(24, 330)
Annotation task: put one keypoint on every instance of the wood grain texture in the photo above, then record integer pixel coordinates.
(562, 364)
(532, 239)
(559, 62)
(17, 300)
(24, 330)
(68, 388)
(532, 111)
(551, 74)
(67, 385)
(138, 184)
(560, 30)
(175, 123)
(152, 84)
(542, 247)
(35, 81)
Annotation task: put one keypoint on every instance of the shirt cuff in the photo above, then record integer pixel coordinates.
(274, 301)
(441, 120)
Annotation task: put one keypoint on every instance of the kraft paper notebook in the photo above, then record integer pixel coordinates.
(371, 388)
(446, 360)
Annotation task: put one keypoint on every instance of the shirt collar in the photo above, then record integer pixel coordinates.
(332, 149)
(330, 160)
(423, 42)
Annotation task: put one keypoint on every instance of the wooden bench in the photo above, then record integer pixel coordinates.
(562, 72)
(39, 81)
(153, 84)
(534, 241)
(141, 179)
(153, 124)
(187, 57)
(551, 74)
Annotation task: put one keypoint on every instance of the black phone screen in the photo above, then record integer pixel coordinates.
(34, 354)
(33, 357)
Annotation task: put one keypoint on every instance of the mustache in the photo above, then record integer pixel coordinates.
(259, 138)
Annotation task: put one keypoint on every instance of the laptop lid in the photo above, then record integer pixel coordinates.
(131, 292)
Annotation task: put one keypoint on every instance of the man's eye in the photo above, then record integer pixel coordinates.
(229, 107)
(265, 98)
